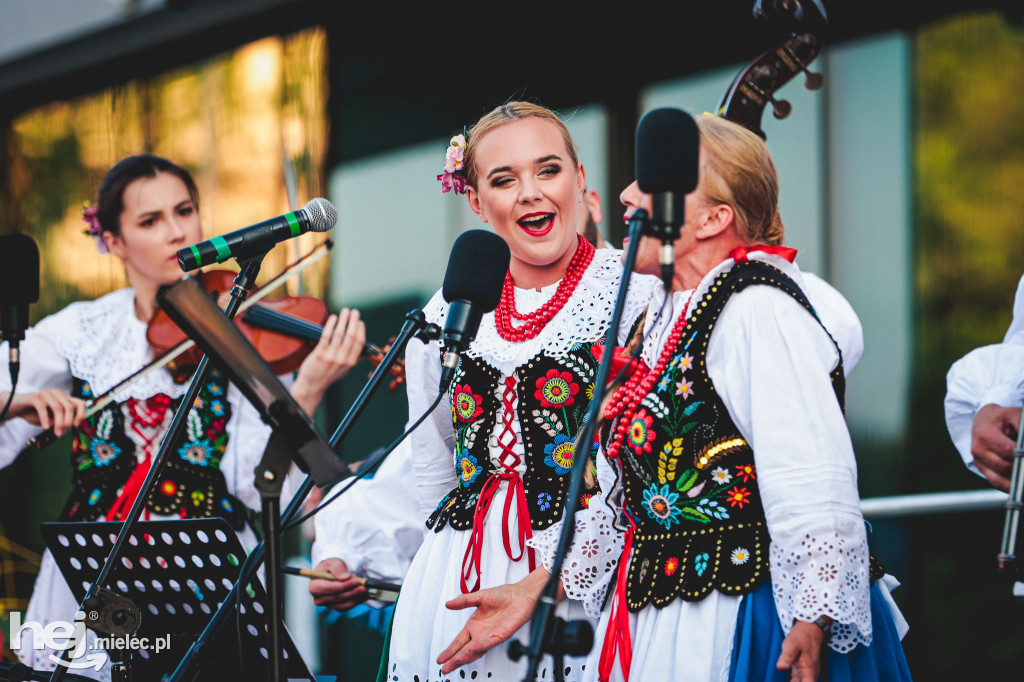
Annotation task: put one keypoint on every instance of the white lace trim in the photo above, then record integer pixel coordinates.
(104, 343)
(825, 575)
(583, 319)
(593, 557)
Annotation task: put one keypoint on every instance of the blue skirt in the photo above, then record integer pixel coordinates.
(759, 642)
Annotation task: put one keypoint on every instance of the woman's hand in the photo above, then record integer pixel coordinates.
(339, 349)
(51, 408)
(801, 652)
(341, 594)
(500, 611)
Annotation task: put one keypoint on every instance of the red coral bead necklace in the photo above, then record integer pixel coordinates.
(534, 322)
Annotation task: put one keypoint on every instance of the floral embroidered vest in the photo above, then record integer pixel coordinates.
(191, 485)
(688, 474)
(554, 394)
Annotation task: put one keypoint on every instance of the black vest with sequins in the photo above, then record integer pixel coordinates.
(191, 484)
(553, 397)
(688, 474)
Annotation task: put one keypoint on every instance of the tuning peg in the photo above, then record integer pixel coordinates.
(805, 50)
(780, 108)
(813, 81)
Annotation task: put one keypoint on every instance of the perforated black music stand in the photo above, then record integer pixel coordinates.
(177, 572)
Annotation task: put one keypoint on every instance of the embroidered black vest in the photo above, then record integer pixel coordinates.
(191, 484)
(553, 397)
(688, 474)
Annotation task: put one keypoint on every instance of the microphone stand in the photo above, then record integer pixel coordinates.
(244, 283)
(545, 625)
(415, 326)
(1014, 504)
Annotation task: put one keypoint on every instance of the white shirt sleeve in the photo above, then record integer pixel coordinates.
(987, 375)
(838, 316)
(42, 367)
(1017, 324)
(376, 526)
(433, 442)
(770, 362)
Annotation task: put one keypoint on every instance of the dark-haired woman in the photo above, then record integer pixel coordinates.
(147, 208)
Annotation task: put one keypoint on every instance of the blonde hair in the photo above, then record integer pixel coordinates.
(736, 169)
(509, 113)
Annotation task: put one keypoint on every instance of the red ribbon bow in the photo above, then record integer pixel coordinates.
(739, 254)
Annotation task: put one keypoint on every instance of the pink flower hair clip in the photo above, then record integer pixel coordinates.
(454, 176)
(93, 228)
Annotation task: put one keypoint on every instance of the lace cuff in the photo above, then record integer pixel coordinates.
(593, 556)
(825, 575)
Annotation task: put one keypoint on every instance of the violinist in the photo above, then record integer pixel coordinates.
(146, 210)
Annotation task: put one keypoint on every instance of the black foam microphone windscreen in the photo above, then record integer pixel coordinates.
(476, 269)
(667, 152)
(19, 269)
(472, 287)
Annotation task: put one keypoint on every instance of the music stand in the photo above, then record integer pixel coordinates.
(293, 439)
(178, 573)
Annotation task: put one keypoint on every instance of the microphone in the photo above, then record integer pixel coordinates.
(319, 215)
(667, 160)
(19, 286)
(472, 287)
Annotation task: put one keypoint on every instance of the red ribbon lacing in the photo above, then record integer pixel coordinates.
(150, 415)
(516, 494)
(739, 254)
(617, 635)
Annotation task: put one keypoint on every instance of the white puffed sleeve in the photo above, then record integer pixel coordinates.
(376, 526)
(42, 368)
(1017, 324)
(433, 441)
(770, 362)
(987, 375)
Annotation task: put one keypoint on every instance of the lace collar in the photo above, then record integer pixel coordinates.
(104, 343)
(583, 319)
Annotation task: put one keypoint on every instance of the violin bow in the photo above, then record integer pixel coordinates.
(101, 401)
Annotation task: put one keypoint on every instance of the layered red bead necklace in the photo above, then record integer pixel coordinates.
(534, 322)
(639, 384)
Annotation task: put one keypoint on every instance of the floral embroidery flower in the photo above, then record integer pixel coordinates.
(556, 389)
(659, 504)
(226, 505)
(685, 389)
(94, 496)
(686, 362)
(196, 452)
(86, 390)
(217, 407)
(103, 452)
(738, 496)
(671, 565)
(169, 488)
(664, 383)
(700, 563)
(585, 500)
(740, 556)
(640, 432)
(827, 573)
(215, 389)
(467, 404)
(721, 476)
(217, 426)
(746, 472)
(197, 497)
(468, 469)
(543, 501)
(560, 454)
(590, 548)
(590, 391)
